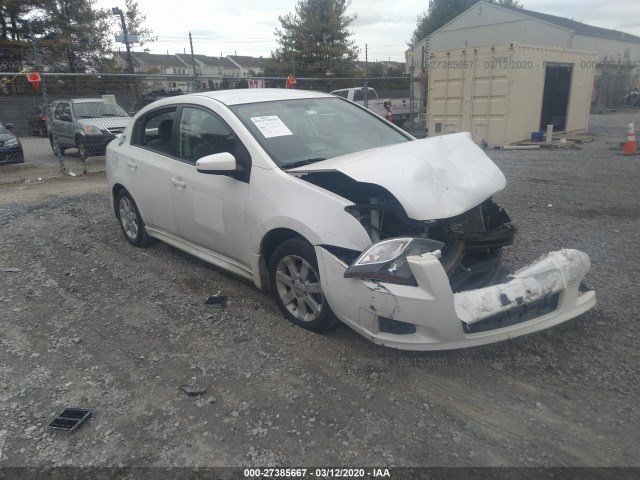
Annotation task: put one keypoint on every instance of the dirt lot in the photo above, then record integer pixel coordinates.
(90, 321)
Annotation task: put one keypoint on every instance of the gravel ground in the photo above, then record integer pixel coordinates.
(90, 321)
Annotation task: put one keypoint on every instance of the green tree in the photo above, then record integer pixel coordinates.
(73, 34)
(442, 11)
(12, 13)
(15, 50)
(315, 41)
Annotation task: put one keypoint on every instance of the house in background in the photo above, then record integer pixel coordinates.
(166, 72)
(248, 66)
(176, 72)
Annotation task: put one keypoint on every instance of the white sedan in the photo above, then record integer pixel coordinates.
(341, 215)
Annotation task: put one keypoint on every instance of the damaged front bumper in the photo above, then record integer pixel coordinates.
(430, 316)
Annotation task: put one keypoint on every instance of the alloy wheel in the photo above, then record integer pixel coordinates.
(298, 286)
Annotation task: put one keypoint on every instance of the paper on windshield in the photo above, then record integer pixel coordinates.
(271, 126)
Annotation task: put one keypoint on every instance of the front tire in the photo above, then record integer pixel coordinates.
(130, 220)
(295, 284)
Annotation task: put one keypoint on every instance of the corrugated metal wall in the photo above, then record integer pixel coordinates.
(496, 92)
(524, 31)
(486, 24)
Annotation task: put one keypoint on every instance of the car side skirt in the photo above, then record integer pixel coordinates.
(202, 253)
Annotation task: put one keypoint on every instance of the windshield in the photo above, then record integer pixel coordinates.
(98, 109)
(302, 131)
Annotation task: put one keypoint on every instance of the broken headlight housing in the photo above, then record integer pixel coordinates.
(387, 260)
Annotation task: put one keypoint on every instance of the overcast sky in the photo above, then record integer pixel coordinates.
(247, 26)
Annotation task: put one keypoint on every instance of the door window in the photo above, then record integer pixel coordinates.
(62, 112)
(153, 131)
(201, 133)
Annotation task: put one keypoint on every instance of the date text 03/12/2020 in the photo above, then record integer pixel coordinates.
(317, 473)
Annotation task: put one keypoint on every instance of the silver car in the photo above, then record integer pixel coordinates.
(87, 124)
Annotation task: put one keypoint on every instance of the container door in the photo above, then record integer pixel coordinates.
(555, 100)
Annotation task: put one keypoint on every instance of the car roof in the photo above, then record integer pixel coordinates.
(253, 95)
(77, 100)
(86, 100)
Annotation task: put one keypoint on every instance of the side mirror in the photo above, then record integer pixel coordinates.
(9, 126)
(216, 163)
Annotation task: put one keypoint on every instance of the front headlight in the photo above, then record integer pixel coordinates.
(387, 260)
(92, 130)
(12, 142)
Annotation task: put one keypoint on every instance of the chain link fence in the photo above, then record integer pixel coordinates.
(614, 91)
(34, 143)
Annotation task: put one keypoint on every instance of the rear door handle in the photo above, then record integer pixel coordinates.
(131, 164)
(178, 183)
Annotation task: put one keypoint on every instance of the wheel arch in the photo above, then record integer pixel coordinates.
(115, 190)
(270, 241)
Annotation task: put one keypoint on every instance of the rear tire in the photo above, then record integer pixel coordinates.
(130, 220)
(295, 284)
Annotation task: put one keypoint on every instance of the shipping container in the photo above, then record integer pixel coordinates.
(503, 93)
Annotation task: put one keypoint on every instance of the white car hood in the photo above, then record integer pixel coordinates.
(432, 178)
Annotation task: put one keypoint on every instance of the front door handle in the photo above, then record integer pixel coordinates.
(178, 183)
(131, 164)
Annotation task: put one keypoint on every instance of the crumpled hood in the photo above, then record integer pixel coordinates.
(432, 178)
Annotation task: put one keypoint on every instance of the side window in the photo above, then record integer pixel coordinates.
(153, 131)
(200, 134)
(342, 93)
(59, 111)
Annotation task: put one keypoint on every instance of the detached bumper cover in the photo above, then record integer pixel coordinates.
(444, 320)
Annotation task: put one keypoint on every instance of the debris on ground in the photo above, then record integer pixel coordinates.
(70, 419)
(193, 390)
(216, 301)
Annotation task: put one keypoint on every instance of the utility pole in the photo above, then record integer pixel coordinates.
(45, 97)
(422, 91)
(366, 75)
(127, 43)
(411, 94)
(117, 11)
(193, 61)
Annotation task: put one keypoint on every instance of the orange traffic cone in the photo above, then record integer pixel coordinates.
(630, 146)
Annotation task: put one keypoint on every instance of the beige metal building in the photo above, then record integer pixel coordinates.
(503, 93)
(487, 23)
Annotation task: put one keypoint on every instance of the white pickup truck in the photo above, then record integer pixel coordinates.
(396, 110)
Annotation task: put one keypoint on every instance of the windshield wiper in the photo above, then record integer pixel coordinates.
(301, 163)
